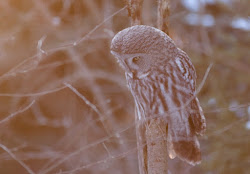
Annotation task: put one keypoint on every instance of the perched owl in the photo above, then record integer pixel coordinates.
(161, 79)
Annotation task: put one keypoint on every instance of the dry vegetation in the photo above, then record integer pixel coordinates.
(64, 104)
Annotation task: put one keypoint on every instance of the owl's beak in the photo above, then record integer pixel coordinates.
(131, 74)
(134, 75)
(121, 61)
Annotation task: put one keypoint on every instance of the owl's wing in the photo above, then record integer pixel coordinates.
(188, 77)
(185, 118)
(197, 119)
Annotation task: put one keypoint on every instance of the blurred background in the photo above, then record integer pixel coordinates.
(64, 104)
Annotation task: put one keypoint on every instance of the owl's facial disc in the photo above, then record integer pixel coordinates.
(136, 65)
(121, 61)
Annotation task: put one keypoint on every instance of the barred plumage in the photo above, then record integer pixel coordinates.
(161, 79)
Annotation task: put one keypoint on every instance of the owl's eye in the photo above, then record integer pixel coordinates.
(135, 59)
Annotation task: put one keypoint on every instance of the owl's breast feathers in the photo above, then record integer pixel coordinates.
(169, 92)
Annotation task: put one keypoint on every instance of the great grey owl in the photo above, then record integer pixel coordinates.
(162, 81)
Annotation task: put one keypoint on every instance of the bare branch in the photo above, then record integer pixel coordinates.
(134, 11)
(163, 15)
(156, 135)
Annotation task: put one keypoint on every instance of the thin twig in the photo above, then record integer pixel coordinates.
(17, 112)
(97, 26)
(32, 94)
(226, 128)
(91, 105)
(18, 160)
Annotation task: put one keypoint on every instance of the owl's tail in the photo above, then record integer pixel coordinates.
(188, 150)
(182, 139)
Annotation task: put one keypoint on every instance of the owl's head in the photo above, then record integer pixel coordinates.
(139, 48)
